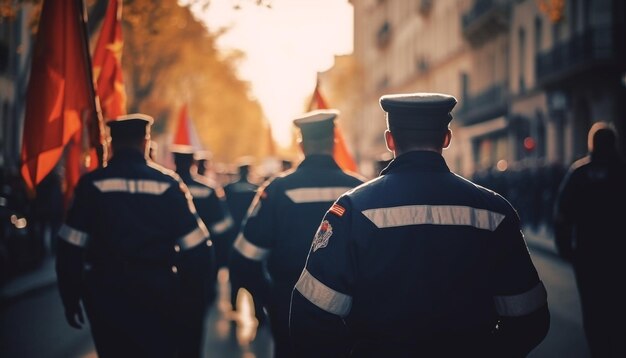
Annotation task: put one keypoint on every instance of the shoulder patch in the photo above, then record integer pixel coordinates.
(337, 210)
(324, 232)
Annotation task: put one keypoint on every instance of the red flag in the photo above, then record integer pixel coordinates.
(341, 154)
(107, 63)
(59, 98)
(186, 133)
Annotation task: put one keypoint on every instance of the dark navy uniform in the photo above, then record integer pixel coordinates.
(416, 262)
(280, 226)
(239, 196)
(588, 231)
(210, 201)
(136, 254)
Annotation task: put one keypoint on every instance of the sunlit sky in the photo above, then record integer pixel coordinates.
(285, 46)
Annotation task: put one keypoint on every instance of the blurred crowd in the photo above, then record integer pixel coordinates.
(531, 190)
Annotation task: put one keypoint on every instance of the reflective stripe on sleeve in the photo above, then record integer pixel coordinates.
(192, 239)
(522, 304)
(434, 215)
(131, 186)
(221, 226)
(313, 195)
(250, 250)
(255, 210)
(73, 236)
(199, 191)
(323, 296)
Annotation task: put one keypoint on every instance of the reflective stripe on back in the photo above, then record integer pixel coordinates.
(323, 296)
(250, 250)
(132, 186)
(434, 215)
(313, 195)
(73, 236)
(522, 304)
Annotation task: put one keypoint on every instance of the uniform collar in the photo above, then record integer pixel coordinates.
(128, 155)
(420, 159)
(318, 160)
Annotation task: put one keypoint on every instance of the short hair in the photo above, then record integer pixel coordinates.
(321, 145)
(407, 139)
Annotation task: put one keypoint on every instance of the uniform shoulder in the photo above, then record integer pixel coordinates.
(163, 172)
(94, 174)
(205, 181)
(357, 176)
(582, 162)
(492, 198)
(364, 188)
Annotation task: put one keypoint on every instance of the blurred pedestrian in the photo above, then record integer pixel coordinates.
(419, 261)
(588, 223)
(239, 196)
(282, 220)
(134, 252)
(203, 162)
(153, 151)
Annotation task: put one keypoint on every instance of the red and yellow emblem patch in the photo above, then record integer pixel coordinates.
(337, 210)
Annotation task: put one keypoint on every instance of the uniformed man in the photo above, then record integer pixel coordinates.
(203, 159)
(209, 199)
(283, 217)
(239, 196)
(418, 261)
(135, 253)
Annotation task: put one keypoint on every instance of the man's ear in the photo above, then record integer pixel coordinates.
(389, 141)
(447, 139)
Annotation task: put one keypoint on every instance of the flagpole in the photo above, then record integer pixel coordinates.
(97, 111)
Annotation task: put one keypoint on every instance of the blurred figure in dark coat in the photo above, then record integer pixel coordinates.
(589, 230)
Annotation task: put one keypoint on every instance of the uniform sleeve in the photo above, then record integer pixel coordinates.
(217, 216)
(255, 240)
(322, 297)
(253, 244)
(74, 236)
(519, 296)
(186, 224)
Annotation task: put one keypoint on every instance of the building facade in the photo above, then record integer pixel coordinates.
(531, 76)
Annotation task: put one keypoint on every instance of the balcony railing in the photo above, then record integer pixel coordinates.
(485, 19)
(583, 51)
(485, 105)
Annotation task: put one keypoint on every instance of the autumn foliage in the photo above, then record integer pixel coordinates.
(170, 58)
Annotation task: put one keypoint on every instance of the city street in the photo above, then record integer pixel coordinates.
(566, 337)
(33, 326)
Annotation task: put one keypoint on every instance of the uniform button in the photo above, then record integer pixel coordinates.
(209, 243)
(176, 248)
(174, 269)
